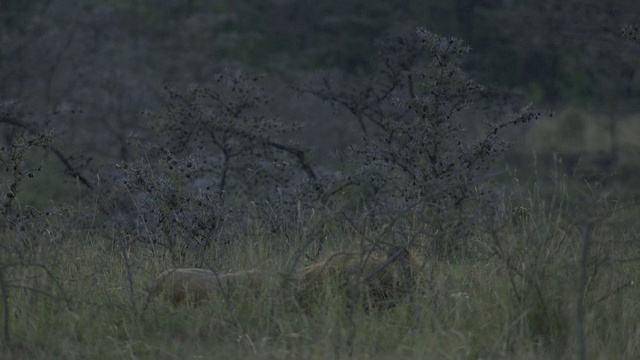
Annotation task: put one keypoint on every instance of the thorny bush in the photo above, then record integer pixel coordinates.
(426, 144)
(218, 151)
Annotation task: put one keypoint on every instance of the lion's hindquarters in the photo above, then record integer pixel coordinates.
(191, 284)
(198, 285)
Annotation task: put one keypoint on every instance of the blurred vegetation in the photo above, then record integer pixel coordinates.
(497, 141)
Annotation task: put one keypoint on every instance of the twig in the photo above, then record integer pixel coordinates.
(582, 285)
(5, 301)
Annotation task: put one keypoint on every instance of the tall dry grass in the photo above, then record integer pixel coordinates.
(554, 279)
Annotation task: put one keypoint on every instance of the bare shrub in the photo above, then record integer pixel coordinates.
(245, 149)
(161, 207)
(427, 141)
(21, 250)
(220, 158)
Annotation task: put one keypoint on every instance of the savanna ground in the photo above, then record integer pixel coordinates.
(557, 278)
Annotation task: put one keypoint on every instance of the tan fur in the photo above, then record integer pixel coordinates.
(382, 280)
(379, 281)
(198, 285)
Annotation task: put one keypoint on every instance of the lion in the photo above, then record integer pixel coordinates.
(198, 285)
(381, 282)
